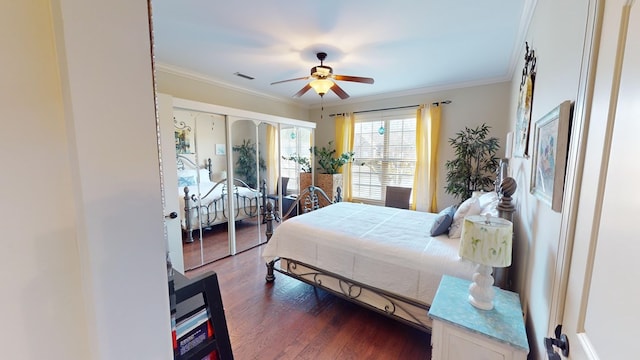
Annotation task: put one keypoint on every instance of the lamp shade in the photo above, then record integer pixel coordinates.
(486, 240)
(321, 86)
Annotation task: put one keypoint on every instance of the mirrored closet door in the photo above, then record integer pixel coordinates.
(249, 169)
(295, 148)
(201, 162)
(219, 171)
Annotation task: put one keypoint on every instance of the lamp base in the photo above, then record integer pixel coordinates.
(481, 289)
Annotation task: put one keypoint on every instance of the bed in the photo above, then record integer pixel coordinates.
(205, 202)
(380, 257)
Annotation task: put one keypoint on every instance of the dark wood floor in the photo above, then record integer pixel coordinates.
(214, 243)
(291, 320)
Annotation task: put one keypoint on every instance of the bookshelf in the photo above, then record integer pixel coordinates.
(198, 323)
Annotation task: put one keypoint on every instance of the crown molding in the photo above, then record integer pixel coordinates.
(413, 92)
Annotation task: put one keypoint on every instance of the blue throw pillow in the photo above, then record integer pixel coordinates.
(443, 221)
(186, 181)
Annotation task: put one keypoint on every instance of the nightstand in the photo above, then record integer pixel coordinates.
(461, 331)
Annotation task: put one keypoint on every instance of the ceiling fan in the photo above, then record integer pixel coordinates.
(322, 80)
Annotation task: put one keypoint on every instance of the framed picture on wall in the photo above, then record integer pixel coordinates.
(183, 141)
(221, 149)
(525, 100)
(551, 142)
(183, 137)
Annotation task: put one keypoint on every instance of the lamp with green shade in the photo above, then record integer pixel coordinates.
(486, 241)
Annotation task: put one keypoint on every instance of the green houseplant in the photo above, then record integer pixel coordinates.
(475, 163)
(329, 179)
(305, 164)
(327, 160)
(246, 162)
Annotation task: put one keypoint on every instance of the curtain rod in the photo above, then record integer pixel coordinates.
(436, 103)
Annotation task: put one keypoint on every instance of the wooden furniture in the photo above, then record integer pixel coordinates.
(397, 197)
(198, 321)
(461, 331)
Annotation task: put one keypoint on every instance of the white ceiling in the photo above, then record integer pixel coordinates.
(407, 46)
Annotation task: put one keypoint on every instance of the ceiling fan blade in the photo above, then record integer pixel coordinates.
(359, 79)
(338, 90)
(302, 91)
(283, 81)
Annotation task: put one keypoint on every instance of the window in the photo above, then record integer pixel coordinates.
(385, 153)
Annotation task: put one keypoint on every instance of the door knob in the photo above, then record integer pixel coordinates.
(560, 341)
(172, 215)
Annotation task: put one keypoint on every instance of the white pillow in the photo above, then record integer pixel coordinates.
(489, 203)
(487, 198)
(204, 175)
(467, 208)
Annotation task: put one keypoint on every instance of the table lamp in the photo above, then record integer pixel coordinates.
(486, 241)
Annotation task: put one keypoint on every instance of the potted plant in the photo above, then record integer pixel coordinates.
(329, 178)
(305, 168)
(475, 164)
(305, 165)
(246, 162)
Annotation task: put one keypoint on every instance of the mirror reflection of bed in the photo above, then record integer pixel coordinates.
(224, 165)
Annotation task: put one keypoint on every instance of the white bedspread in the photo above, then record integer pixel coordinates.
(387, 248)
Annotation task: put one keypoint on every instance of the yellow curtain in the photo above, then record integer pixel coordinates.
(272, 158)
(424, 195)
(344, 143)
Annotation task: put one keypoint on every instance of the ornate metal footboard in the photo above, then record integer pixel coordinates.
(208, 212)
(408, 311)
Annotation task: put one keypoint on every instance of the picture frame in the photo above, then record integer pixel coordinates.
(525, 102)
(221, 149)
(551, 141)
(183, 137)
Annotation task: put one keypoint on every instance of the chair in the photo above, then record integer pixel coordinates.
(397, 197)
(276, 197)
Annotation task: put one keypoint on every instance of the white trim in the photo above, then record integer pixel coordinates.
(575, 166)
(185, 104)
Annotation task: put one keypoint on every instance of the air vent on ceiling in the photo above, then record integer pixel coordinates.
(243, 76)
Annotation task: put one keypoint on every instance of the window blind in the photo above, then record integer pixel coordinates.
(385, 153)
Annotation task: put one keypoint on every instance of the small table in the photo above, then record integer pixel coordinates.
(461, 331)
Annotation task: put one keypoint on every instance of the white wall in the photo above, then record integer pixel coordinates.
(110, 115)
(556, 33)
(84, 251)
(470, 107)
(42, 300)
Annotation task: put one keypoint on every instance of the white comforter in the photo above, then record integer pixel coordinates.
(387, 248)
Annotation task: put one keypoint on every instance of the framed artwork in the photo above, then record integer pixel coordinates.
(525, 100)
(221, 149)
(551, 135)
(183, 137)
(183, 141)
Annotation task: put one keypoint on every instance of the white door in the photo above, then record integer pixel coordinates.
(601, 311)
(170, 181)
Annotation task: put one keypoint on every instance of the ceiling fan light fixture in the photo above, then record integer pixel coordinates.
(321, 86)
